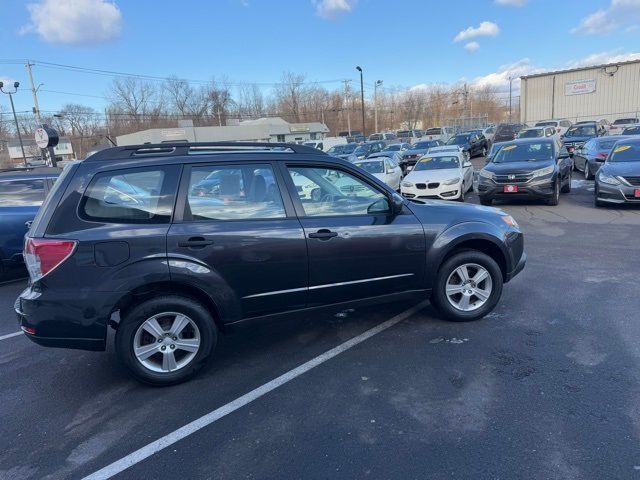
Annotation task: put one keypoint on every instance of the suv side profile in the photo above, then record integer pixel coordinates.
(138, 238)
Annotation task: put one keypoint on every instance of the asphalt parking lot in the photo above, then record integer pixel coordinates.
(547, 386)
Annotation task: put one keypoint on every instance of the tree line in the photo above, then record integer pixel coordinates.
(135, 104)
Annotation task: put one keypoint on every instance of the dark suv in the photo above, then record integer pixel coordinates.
(127, 238)
(22, 191)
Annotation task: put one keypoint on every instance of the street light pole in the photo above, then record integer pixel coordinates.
(362, 100)
(375, 102)
(510, 80)
(15, 117)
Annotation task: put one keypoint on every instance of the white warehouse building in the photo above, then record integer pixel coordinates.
(591, 93)
(261, 130)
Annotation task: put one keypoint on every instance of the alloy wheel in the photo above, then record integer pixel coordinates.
(469, 287)
(166, 342)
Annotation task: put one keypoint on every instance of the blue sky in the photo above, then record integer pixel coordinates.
(404, 43)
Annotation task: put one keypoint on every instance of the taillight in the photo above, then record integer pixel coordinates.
(42, 255)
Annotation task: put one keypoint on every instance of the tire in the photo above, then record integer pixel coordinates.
(555, 199)
(469, 260)
(486, 201)
(587, 172)
(567, 187)
(130, 333)
(462, 191)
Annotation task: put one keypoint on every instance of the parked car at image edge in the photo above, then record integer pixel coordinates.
(618, 180)
(344, 151)
(591, 156)
(22, 191)
(169, 271)
(441, 175)
(534, 168)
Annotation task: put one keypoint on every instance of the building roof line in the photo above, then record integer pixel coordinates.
(578, 69)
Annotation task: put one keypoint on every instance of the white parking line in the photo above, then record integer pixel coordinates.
(10, 335)
(198, 424)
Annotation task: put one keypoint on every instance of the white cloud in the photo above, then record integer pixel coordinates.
(603, 58)
(607, 20)
(485, 29)
(331, 9)
(511, 3)
(472, 47)
(75, 22)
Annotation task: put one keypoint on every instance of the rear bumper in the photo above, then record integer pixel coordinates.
(68, 319)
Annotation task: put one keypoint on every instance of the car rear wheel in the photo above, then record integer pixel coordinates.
(166, 340)
(587, 172)
(555, 199)
(468, 286)
(566, 188)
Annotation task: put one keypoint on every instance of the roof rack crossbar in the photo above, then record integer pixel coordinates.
(181, 149)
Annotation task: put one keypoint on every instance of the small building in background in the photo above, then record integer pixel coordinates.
(63, 152)
(607, 92)
(273, 129)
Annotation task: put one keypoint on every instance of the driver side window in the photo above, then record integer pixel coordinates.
(329, 192)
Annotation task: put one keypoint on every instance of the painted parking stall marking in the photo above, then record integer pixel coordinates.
(10, 335)
(154, 447)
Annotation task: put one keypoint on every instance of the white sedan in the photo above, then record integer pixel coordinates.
(383, 168)
(447, 175)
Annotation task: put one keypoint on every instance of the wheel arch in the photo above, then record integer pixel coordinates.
(169, 287)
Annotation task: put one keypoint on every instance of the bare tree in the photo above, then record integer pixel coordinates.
(139, 101)
(288, 94)
(83, 125)
(220, 100)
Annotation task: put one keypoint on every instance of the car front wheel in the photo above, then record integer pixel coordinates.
(468, 286)
(166, 340)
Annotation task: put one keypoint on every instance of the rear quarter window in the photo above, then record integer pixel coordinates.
(128, 196)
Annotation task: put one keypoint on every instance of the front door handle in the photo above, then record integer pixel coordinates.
(196, 242)
(323, 234)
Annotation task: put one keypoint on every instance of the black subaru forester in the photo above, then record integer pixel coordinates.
(170, 244)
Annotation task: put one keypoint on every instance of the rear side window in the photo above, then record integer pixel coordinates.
(233, 192)
(21, 193)
(128, 196)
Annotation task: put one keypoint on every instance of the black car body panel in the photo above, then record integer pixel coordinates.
(240, 269)
(625, 175)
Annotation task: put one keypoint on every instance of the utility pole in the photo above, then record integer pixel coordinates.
(364, 134)
(511, 80)
(34, 91)
(15, 118)
(375, 102)
(346, 102)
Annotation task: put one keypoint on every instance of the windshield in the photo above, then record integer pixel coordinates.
(533, 133)
(625, 153)
(404, 133)
(372, 166)
(527, 152)
(437, 163)
(459, 139)
(393, 148)
(581, 131)
(342, 149)
(507, 129)
(433, 131)
(421, 145)
(632, 131)
(546, 124)
(375, 136)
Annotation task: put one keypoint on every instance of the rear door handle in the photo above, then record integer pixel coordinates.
(196, 242)
(323, 234)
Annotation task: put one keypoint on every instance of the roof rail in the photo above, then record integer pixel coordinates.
(181, 148)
